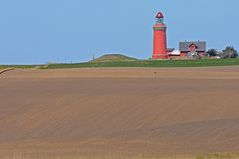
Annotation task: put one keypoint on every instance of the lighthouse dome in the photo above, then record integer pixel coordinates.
(159, 15)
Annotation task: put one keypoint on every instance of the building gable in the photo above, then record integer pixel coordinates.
(198, 46)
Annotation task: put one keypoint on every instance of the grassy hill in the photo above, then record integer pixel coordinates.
(117, 60)
(113, 57)
(17, 66)
(149, 63)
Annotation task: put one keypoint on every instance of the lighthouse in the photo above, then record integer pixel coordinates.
(160, 41)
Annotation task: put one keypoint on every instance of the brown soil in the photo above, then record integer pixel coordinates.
(124, 111)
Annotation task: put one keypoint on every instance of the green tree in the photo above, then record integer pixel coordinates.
(212, 52)
(229, 52)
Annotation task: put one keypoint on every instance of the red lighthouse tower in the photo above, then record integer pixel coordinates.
(160, 42)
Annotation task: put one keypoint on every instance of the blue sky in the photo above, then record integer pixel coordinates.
(40, 31)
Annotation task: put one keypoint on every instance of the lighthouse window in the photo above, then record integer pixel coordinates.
(161, 20)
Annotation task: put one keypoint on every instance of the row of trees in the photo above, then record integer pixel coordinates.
(228, 52)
